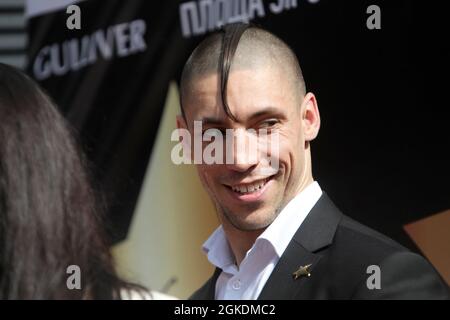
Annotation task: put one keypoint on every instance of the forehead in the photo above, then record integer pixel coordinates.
(249, 91)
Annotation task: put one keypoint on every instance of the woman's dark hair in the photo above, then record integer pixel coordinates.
(49, 217)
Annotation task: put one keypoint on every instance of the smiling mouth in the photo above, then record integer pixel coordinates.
(249, 188)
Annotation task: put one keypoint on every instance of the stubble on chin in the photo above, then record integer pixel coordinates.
(246, 226)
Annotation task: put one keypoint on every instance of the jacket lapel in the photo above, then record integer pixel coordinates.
(281, 285)
(315, 233)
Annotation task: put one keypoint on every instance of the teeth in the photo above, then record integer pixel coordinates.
(248, 188)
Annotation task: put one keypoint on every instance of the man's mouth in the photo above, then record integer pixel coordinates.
(250, 190)
(246, 188)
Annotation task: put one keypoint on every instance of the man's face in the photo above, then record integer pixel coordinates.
(249, 194)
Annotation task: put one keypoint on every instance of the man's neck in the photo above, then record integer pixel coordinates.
(240, 241)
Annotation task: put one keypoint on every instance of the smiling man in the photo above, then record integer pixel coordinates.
(280, 237)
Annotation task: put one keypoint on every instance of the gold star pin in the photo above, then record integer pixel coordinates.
(302, 271)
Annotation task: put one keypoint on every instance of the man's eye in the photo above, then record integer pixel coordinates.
(269, 123)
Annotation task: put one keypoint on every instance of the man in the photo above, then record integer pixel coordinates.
(281, 237)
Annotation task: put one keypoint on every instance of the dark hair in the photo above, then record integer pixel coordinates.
(232, 33)
(49, 217)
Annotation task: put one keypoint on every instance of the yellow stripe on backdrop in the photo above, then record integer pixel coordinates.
(173, 217)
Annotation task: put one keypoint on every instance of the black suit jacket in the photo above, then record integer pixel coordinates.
(339, 251)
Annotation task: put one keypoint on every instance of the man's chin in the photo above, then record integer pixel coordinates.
(249, 221)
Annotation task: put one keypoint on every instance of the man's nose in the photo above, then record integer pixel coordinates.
(244, 151)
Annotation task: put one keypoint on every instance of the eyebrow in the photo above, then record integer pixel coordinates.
(211, 120)
(266, 111)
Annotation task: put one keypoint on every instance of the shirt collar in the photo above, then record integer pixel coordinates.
(278, 234)
(282, 229)
(218, 250)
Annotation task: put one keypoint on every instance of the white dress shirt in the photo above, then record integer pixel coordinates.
(247, 281)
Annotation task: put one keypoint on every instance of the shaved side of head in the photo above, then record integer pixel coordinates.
(236, 47)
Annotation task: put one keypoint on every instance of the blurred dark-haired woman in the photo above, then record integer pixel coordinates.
(49, 219)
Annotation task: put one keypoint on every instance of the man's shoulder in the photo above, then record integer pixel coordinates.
(357, 246)
(363, 237)
(358, 249)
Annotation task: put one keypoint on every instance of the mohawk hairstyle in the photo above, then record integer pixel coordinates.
(216, 54)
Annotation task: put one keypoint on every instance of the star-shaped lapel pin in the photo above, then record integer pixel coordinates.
(302, 272)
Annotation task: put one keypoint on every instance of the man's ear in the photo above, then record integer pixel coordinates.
(310, 117)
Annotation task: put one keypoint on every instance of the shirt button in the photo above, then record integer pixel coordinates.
(236, 284)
